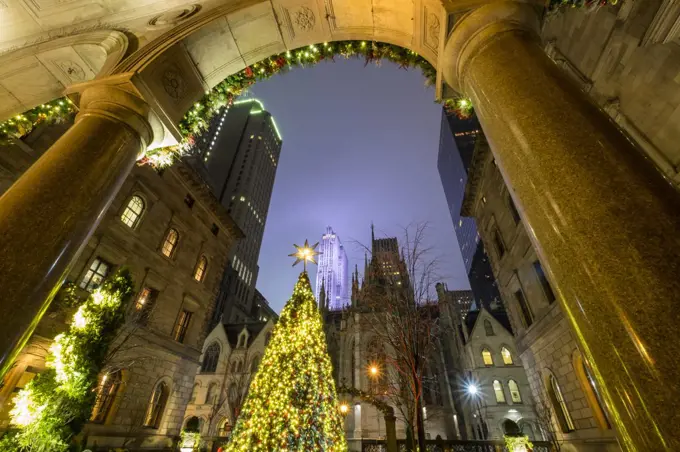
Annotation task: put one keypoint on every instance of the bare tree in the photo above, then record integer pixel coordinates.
(405, 318)
(545, 421)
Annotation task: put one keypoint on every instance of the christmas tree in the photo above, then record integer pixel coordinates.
(292, 402)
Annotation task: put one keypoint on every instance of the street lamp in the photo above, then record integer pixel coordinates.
(374, 370)
(472, 389)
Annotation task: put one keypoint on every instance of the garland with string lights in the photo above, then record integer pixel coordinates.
(292, 403)
(380, 405)
(198, 117)
(556, 5)
(54, 406)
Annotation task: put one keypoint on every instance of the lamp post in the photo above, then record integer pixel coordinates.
(475, 393)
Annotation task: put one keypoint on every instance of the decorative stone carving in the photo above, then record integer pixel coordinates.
(304, 19)
(173, 83)
(174, 16)
(72, 70)
(433, 28)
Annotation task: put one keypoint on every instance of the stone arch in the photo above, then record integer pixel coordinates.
(56, 64)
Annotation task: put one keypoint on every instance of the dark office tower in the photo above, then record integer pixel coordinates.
(456, 148)
(239, 154)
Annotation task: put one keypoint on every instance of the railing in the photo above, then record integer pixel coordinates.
(452, 446)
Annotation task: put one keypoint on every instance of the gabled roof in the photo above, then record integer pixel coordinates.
(498, 315)
(233, 330)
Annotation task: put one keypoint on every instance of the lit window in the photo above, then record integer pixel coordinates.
(106, 394)
(498, 390)
(514, 392)
(182, 325)
(144, 304)
(170, 242)
(201, 268)
(507, 356)
(560, 406)
(133, 211)
(154, 411)
(95, 275)
(486, 357)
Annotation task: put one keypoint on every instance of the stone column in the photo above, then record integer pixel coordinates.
(48, 215)
(391, 433)
(602, 218)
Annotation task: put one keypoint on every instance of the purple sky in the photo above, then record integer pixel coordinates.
(359, 145)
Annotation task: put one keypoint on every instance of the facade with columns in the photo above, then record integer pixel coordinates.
(174, 238)
(562, 157)
(569, 402)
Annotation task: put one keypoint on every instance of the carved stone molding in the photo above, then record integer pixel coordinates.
(304, 19)
(666, 24)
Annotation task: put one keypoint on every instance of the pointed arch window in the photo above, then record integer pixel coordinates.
(507, 356)
(515, 396)
(154, 411)
(486, 357)
(560, 406)
(212, 354)
(201, 268)
(254, 364)
(498, 391)
(108, 389)
(133, 212)
(211, 394)
(488, 328)
(170, 242)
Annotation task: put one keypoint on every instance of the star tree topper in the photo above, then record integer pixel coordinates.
(305, 254)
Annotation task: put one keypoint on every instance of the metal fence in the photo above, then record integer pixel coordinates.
(453, 446)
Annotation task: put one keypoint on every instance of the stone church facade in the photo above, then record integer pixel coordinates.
(174, 237)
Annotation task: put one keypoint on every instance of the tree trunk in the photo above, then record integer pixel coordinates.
(420, 424)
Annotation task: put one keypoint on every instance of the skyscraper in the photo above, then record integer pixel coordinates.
(238, 155)
(456, 148)
(332, 272)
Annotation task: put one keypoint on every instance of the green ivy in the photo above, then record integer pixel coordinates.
(53, 407)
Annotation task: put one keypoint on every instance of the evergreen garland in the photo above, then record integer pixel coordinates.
(55, 405)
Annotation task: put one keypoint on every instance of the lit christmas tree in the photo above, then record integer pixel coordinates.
(292, 402)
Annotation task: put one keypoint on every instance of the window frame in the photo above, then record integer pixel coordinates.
(543, 282)
(88, 286)
(560, 407)
(103, 405)
(182, 324)
(488, 327)
(516, 390)
(202, 259)
(214, 358)
(499, 391)
(166, 240)
(509, 354)
(156, 406)
(138, 219)
(487, 350)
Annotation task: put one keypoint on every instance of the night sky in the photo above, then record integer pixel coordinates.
(359, 146)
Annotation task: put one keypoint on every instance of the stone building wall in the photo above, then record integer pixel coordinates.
(545, 342)
(148, 353)
(628, 59)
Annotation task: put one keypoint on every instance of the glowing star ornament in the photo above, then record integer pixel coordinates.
(305, 254)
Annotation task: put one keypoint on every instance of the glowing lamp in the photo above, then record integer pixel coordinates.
(374, 370)
(344, 408)
(472, 389)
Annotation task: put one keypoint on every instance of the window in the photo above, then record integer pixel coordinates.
(133, 212)
(514, 392)
(95, 275)
(211, 394)
(170, 242)
(524, 307)
(486, 357)
(498, 242)
(254, 364)
(154, 411)
(507, 356)
(223, 429)
(144, 304)
(488, 328)
(513, 209)
(108, 388)
(182, 325)
(547, 290)
(592, 393)
(560, 406)
(212, 354)
(498, 390)
(201, 268)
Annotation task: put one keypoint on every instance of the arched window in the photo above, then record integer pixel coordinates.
(486, 357)
(108, 389)
(170, 242)
(498, 390)
(592, 394)
(223, 428)
(560, 406)
(515, 396)
(254, 364)
(201, 268)
(507, 356)
(154, 411)
(133, 211)
(212, 354)
(267, 338)
(193, 425)
(211, 394)
(233, 394)
(194, 393)
(488, 328)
